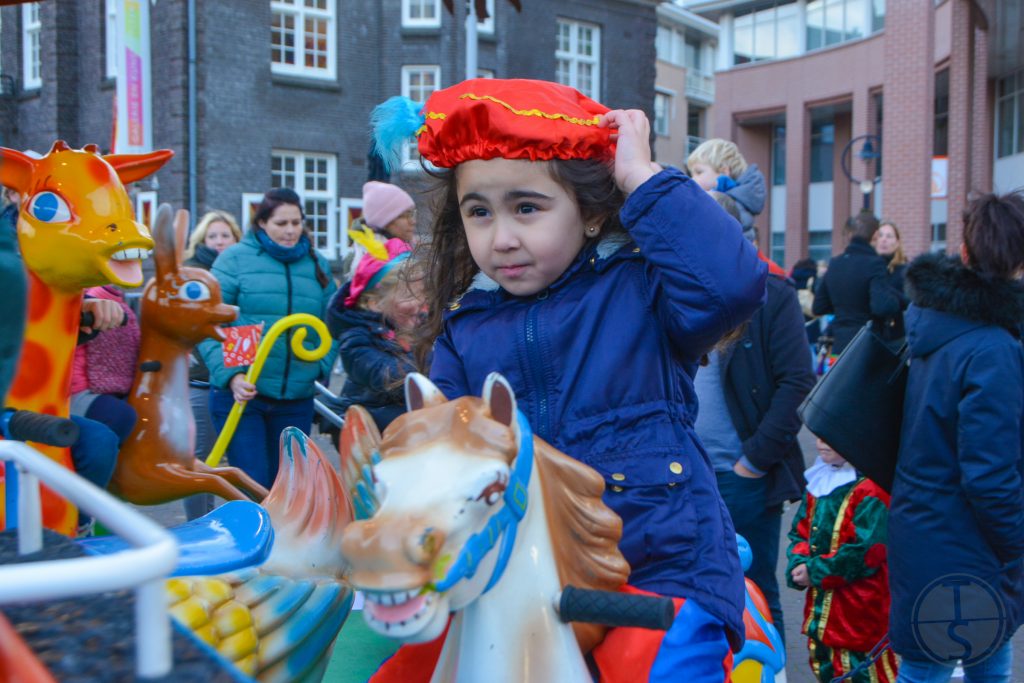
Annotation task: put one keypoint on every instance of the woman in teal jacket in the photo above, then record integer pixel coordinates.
(273, 272)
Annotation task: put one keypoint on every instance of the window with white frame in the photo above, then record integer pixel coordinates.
(31, 33)
(578, 57)
(487, 25)
(313, 177)
(421, 13)
(419, 81)
(662, 112)
(110, 37)
(302, 37)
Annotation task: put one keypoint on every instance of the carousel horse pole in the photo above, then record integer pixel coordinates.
(181, 306)
(76, 229)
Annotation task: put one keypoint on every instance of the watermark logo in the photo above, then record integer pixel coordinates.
(959, 617)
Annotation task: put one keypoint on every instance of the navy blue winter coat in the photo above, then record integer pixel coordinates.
(602, 363)
(958, 498)
(374, 362)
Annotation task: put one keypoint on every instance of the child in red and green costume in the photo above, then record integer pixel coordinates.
(837, 552)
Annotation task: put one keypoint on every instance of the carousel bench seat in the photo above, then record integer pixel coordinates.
(233, 536)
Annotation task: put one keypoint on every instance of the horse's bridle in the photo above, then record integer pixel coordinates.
(502, 524)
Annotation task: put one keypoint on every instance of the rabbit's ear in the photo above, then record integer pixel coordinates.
(180, 236)
(168, 257)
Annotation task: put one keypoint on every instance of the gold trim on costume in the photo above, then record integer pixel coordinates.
(525, 112)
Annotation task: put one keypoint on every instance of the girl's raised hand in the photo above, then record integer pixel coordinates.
(633, 165)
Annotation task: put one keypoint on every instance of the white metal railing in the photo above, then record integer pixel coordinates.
(700, 85)
(144, 567)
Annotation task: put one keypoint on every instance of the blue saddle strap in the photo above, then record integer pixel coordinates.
(502, 525)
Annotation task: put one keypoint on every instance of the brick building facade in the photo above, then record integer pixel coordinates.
(284, 90)
(797, 80)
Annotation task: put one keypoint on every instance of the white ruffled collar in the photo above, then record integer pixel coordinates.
(823, 479)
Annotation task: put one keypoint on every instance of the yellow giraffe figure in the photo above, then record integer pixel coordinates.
(76, 229)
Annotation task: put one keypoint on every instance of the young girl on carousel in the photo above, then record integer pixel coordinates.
(373, 317)
(594, 281)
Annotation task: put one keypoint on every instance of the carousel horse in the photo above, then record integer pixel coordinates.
(181, 306)
(455, 480)
(449, 483)
(75, 230)
(278, 622)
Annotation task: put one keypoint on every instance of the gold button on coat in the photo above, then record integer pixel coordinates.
(675, 468)
(619, 476)
(617, 488)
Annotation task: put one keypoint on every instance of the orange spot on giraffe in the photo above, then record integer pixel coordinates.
(72, 316)
(39, 300)
(33, 370)
(49, 409)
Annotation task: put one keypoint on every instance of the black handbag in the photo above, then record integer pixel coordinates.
(857, 407)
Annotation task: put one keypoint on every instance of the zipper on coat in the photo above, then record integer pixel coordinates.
(535, 360)
(288, 334)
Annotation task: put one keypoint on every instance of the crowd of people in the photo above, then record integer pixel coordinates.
(617, 297)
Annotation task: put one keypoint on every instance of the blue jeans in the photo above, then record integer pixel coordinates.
(997, 668)
(199, 397)
(761, 526)
(254, 447)
(94, 455)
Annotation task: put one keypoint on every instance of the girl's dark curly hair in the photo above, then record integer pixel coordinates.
(449, 263)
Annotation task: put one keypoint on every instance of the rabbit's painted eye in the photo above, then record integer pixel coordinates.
(49, 207)
(194, 290)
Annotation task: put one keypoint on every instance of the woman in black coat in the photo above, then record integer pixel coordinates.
(956, 522)
(889, 245)
(856, 286)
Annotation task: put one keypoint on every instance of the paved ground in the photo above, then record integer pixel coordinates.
(797, 668)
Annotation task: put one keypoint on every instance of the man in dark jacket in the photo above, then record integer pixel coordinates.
(856, 286)
(748, 395)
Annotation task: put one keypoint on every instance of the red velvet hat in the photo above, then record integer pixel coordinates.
(489, 118)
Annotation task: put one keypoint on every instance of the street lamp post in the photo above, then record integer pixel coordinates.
(870, 152)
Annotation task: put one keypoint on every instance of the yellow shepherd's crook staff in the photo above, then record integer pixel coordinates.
(289, 321)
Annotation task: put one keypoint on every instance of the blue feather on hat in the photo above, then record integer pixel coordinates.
(395, 122)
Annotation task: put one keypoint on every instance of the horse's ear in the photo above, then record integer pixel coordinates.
(500, 399)
(165, 242)
(420, 392)
(180, 236)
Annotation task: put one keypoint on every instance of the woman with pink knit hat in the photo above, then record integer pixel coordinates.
(389, 213)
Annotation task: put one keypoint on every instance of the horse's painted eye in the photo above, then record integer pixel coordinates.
(492, 494)
(193, 290)
(49, 207)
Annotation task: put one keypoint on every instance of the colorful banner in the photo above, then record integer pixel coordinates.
(134, 94)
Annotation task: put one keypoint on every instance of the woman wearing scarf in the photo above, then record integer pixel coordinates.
(273, 272)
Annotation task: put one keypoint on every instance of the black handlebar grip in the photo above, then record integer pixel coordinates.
(616, 609)
(87, 319)
(45, 429)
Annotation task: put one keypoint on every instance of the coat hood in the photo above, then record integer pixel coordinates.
(749, 195)
(949, 299)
